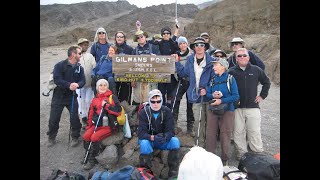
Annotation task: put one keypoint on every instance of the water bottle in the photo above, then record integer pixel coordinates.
(105, 120)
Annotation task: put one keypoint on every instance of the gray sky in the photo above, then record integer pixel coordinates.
(139, 3)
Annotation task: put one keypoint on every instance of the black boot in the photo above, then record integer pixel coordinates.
(84, 123)
(173, 163)
(145, 160)
(93, 152)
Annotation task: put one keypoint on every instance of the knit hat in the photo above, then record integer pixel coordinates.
(182, 39)
(199, 40)
(81, 40)
(223, 62)
(139, 33)
(152, 93)
(100, 81)
(165, 29)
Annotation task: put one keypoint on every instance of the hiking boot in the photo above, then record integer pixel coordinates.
(84, 123)
(74, 142)
(88, 166)
(177, 130)
(51, 142)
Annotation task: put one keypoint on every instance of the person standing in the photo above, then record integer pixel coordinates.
(85, 94)
(237, 43)
(68, 75)
(183, 52)
(220, 94)
(199, 70)
(247, 124)
(124, 89)
(100, 44)
(156, 132)
(207, 39)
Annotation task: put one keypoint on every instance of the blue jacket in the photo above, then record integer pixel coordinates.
(64, 74)
(148, 125)
(218, 86)
(103, 67)
(188, 71)
(98, 50)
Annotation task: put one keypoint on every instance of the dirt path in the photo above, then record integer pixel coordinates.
(59, 156)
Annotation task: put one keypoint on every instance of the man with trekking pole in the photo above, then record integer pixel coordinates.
(198, 68)
(68, 75)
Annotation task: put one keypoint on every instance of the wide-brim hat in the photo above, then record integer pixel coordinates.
(217, 51)
(237, 39)
(81, 40)
(199, 40)
(139, 33)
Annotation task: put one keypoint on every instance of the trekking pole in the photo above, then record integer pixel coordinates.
(48, 93)
(197, 143)
(94, 131)
(174, 102)
(71, 114)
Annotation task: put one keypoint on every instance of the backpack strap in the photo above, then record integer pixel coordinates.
(229, 82)
(110, 99)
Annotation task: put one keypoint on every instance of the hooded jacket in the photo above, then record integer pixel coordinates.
(88, 62)
(103, 67)
(188, 71)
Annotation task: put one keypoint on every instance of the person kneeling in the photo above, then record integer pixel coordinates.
(156, 130)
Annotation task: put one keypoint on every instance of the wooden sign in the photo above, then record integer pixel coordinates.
(146, 77)
(143, 68)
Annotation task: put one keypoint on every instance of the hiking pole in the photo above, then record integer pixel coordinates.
(174, 102)
(48, 93)
(94, 131)
(197, 143)
(71, 114)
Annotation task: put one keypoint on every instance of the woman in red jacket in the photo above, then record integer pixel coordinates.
(100, 128)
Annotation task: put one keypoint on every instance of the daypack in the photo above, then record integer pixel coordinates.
(58, 174)
(233, 173)
(122, 117)
(229, 82)
(125, 173)
(260, 166)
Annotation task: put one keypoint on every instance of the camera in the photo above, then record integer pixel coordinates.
(212, 101)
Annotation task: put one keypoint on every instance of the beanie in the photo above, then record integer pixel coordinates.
(100, 81)
(165, 29)
(182, 39)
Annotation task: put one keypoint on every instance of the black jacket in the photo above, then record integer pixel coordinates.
(163, 124)
(248, 82)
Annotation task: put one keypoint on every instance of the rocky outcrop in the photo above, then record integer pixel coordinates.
(255, 21)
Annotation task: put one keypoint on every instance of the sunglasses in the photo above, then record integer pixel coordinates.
(120, 36)
(101, 32)
(235, 43)
(153, 102)
(138, 37)
(199, 45)
(242, 55)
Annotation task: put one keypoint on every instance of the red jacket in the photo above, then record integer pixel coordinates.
(112, 108)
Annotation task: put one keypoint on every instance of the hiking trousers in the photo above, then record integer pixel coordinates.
(247, 130)
(101, 133)
(61, 99)
(202, 132)
(147, 146)
(225, 123)
(85, 96)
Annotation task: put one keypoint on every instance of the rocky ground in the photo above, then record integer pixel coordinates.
(60, 156)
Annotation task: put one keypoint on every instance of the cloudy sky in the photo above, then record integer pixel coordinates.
(139, 3)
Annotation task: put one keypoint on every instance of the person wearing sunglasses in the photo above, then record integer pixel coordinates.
(198, 68)
(68, 75)
(237, 43)
(156, 131)
(123, 88)
(218, 53)
(247, 122)
(140, 90)
(100, 44)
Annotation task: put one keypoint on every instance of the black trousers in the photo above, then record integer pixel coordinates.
(168, 89)
(183, 86)
(124, 90)
(61, 99)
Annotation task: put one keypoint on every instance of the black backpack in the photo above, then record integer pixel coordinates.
(57, 174)
(260, 166)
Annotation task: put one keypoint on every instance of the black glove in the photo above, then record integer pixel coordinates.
(160, 138)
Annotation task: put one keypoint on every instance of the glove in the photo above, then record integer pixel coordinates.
(160, 138)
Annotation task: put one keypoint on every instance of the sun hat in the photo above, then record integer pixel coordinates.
(199, 40)
(236, 39)
(139, 33)
(81, 40)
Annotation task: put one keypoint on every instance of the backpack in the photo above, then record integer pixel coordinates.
(51, 85)
(122, 117)
(260, 166)
(233, 173)
(229, 83)
(57, 174)
(125, 173)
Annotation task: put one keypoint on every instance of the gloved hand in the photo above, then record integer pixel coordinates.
(160, 138)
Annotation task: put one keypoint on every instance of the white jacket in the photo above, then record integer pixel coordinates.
(88, 62)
